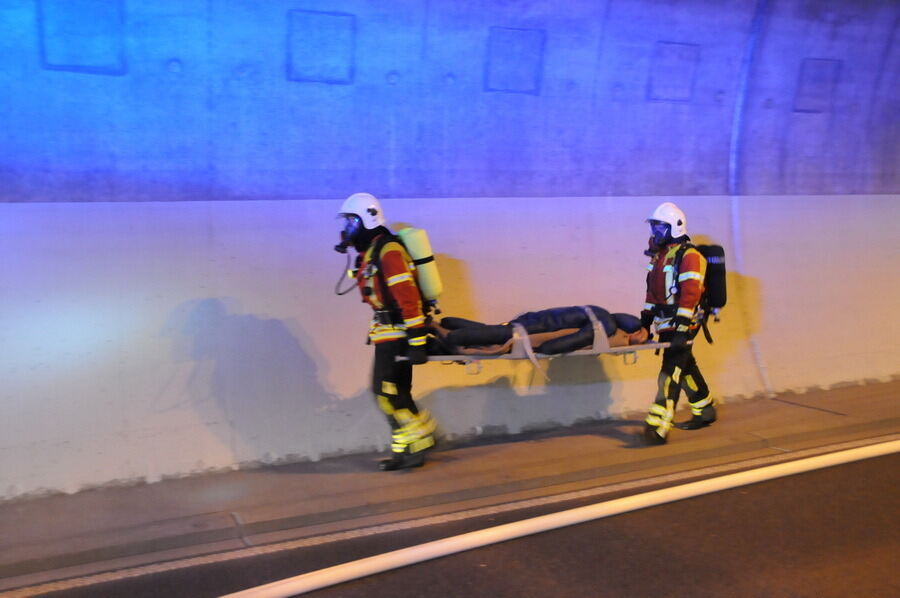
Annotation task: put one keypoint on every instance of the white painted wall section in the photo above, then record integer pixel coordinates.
(143, 340)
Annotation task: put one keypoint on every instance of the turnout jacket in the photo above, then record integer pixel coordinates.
(392, 292)
(680, 291)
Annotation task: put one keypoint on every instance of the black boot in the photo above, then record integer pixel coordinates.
(650, 437)
(402, 461)
(706, 417)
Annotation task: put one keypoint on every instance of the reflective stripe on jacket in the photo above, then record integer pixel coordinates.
(664, 284)
(397, 280)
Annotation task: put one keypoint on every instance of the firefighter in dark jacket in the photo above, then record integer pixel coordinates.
(674, 290)
(385, 275)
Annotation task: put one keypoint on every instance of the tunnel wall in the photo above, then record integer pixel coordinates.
(115, 100)
(166, 309)
(145, 340)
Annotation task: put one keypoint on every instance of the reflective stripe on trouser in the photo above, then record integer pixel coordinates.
(392, 386)
(697, 406)
(679, 371)
(415, 432)
(392, 379)
(661, 416)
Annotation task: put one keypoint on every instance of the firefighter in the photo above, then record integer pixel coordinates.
(385, 275)
(674, 290)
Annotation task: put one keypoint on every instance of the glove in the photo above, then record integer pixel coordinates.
(417, 355)
(680, 338)
(646, 319)
(647, 322)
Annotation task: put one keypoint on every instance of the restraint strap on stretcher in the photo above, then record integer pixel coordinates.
(522, 349)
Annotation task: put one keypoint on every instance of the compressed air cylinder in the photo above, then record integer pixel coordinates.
(416, 242)
(715, 274)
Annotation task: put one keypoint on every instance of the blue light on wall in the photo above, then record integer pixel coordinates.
(82, 36)
(321, 47)
(180, 100)
(515, 59)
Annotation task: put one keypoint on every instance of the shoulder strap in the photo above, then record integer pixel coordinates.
(704, 300)
(377, 247)
(678, 256)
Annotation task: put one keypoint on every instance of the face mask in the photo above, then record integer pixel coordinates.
(352, 226)
(661, 232)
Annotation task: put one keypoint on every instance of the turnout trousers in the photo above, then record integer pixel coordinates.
(411, 428)
(679, 372)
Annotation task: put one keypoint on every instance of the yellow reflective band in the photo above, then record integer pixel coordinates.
(404, 416)
(690, 276)
(662, 426)
(648, 306)
(427, 422)
(702, 403)
(676, 374)
(417, 342)
(350, 274)
(398, 278)
(388, 388)
(418, 427)
(384, 404)
(417, 320)
(689, 380)
(421, 445)
(649, 267)
(379, 336)
(653, 420)
(657, 409)
(668, 268)
(685, 312)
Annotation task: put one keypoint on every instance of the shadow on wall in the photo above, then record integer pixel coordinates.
(741, 316)
(252, 381)
(457, 298)
(497, 408)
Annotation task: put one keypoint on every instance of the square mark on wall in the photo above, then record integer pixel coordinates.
(321, 47)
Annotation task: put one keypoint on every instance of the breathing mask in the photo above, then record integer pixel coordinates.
(352, 226)
(661, 232)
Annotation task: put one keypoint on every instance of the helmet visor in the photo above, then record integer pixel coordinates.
(660, 230)
(352, 226)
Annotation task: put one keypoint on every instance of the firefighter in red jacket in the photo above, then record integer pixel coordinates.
(385, 275)
(674, 290)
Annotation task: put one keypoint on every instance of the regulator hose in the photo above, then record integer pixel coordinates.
(337, 287)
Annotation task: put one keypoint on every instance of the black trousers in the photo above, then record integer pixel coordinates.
(392, 380)
(682, 367)
(679, 372)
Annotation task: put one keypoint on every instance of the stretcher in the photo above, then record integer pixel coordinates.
(522, 349)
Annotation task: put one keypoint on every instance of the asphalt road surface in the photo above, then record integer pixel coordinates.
(828, 533)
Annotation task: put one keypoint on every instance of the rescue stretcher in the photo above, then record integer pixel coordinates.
(522, 349)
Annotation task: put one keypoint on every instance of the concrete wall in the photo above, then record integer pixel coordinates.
(143, 340)
(149, 328)
(108, 100)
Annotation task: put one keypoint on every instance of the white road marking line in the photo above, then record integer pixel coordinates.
(220, 557)
(330, 576)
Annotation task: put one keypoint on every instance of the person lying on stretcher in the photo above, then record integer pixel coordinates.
(551, 331)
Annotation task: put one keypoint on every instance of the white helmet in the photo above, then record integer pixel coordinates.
(367, 207)
(673, 216)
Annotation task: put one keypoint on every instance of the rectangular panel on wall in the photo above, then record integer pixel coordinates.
(672, 72)
(818, 79)
(84, 36)
(515, 59)
(321, 46)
